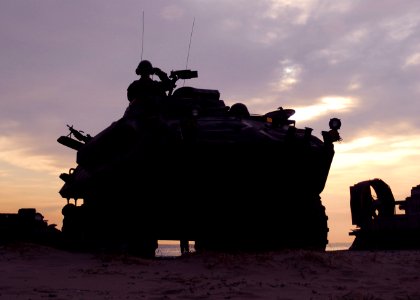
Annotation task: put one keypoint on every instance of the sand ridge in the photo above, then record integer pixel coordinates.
(31, 271)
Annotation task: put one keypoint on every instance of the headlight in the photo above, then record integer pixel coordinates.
(335, 124)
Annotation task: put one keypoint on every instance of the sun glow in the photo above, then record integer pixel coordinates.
(376, 151)
(325, 106)
(289, 74)
(14, 154)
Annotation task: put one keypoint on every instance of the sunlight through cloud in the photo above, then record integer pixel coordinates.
(326, 105)
(376, 150)
(289, 76)
(16, 155)
(412, 60)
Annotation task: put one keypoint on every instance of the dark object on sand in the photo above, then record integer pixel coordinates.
(27, 225)
(190, 167)
(379, 226)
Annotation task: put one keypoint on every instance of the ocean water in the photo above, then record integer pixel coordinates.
(171, 249)
(338, 246)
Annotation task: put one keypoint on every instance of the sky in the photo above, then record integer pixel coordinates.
(70, 63)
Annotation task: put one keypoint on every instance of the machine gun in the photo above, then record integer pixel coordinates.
(70, 142)
(78, 134)
(181, 74)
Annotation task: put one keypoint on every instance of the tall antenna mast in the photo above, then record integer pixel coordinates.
(142, 38)
(189, 46)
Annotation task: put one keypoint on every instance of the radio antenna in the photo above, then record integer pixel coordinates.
(142, 37)
(189, 46)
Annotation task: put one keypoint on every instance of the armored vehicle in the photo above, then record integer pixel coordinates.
(380, 225)
(198, 170)
(27, 225)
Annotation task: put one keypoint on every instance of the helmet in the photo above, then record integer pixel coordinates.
(144, 68)
(239, 110)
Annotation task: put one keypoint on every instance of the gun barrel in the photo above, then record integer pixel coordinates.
(184, 74)
(69, 142)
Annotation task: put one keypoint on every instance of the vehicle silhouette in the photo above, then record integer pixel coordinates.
(378, 223)
(198, 170)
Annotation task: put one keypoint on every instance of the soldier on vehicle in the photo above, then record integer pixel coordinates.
(144, 96)
(145, 88)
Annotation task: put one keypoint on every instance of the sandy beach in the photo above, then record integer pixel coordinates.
(31, 271)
